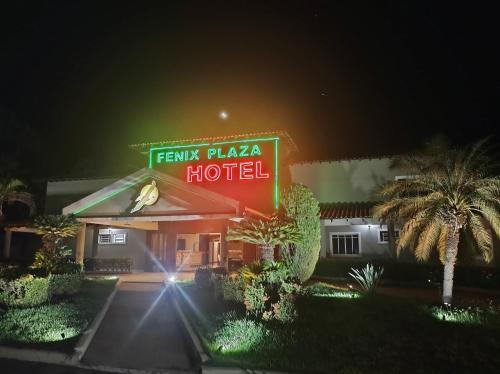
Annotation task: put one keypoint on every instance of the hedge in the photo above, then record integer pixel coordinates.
(109, 265)
(24, 292)
(65, 284)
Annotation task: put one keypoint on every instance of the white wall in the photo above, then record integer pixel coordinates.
(369, 235)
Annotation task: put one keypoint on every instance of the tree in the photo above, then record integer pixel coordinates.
(448, 194)
(53, 228)
(302, 207)
(266, 234)
(9, 193)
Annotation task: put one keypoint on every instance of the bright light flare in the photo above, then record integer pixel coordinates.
(223, 115)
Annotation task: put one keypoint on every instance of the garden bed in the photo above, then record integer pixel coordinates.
(56, 325)
(397, 273)
(339, 332)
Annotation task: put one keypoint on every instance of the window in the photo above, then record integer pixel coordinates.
(383, 236)
(120, 238)
(346, 243)
(181, 244)
(104, 238)
(112, 238)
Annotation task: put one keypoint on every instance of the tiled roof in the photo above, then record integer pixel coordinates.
(346, 210)
(283, 134)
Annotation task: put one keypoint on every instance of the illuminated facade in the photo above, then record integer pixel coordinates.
(174, 213)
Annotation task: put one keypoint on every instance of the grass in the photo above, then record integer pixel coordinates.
(352, 335)
(57, 325)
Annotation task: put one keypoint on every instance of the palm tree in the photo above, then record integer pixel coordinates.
(9, 193)
(266, 234)
(53, 228)
(448, 194)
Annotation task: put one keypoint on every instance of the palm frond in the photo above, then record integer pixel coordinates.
(265, 232)
(481, 236)
(428, 239)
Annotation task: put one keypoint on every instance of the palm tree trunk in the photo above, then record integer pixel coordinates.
(449, 266)
(267, 252)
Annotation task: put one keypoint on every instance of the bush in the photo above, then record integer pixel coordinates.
(302, 207)
(10, 271)
(285, 310)
(27, 291)
(109, 265)
(367, 277)
(255, 298)
(204, 277)
(65, 284)
(230, 289)
(270, 287)
(239, 335)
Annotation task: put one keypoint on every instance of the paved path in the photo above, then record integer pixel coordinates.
(141, 330)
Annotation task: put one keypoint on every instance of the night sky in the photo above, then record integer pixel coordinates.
(80, 80)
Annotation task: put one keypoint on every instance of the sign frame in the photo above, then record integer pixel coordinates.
(274, 139)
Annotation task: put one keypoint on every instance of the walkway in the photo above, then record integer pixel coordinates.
(141, 330)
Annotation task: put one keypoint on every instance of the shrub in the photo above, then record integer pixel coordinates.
(270, 287)
(302, 207)
(239, 335)
(65, 284)
(10, 271)
(27, 291)
(285, 310)
(367, 277)
(109, 265)
(255, 298)
(230, 289)
(204, 277)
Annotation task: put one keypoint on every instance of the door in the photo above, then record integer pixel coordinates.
(158, 251)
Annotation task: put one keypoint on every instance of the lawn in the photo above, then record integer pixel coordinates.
(336, 332)
(56, 325)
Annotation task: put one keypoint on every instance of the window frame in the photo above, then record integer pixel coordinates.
(112, 240)
(380, 241)
(337, 233)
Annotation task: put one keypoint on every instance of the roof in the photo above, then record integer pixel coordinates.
(338, 210)
(182, 199)
(339, 159)
(283, 134)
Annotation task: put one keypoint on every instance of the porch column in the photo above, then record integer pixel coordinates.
(6, 243)
(80, 244)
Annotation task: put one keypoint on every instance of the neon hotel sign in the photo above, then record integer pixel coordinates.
(237, 161)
